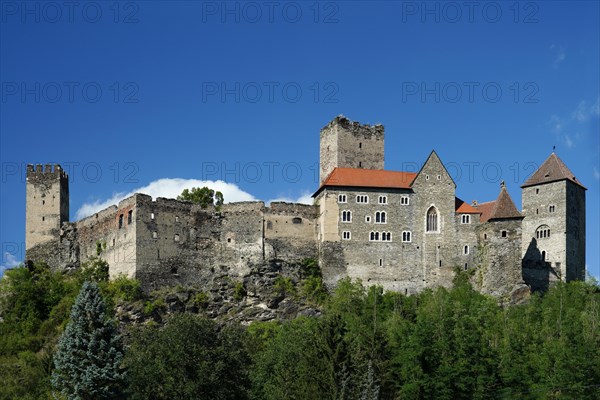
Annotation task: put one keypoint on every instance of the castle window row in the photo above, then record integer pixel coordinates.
(380, 236)
(542, 232)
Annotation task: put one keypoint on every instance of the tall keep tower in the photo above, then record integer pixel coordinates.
(47, 203)
(554, 225)
(348, 144)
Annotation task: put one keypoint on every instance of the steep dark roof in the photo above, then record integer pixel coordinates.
(501, 208)
(551, 170)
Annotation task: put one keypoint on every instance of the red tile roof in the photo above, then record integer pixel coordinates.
(551, 170)
(371, 178)
(463, 208)
(486, 210)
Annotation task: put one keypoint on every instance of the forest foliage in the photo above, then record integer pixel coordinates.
(367, 344)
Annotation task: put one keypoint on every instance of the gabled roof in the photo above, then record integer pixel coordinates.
(433, 155)
(460, 207)
(551, 170)
(368, 178)
(501, 208)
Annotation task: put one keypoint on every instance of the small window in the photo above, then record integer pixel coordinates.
(176, 218)
(440, 263)
(466, 250)
(374, 236)
(113, 242)
(228, 240)
(342, 198)
(346, 216)
(120, 221)
(360, 145)
(363, 199)
(382, 199)
(368, 219)
(360, 164)
(466, 266)
(542, 232)
(154, 235)
(465, 219)
(129, 217)
(380, 217)
(381, 262)
(503, 233)
(537, 210)
(544, 255)
(404, 200)
(439, 177)
(485, 236)
(296, 220)
(43, 218)
(537, 191)
(406, 236)
(386, 236)
(43, 202)
(551, 209)
(151, 215)
(346, 235)
(176, 237)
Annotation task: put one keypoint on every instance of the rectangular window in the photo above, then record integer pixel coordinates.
(503, 233)
(382, 199)
(404, 200)
(368, 219)
(151, 215)
(466, 250)
(346, 235)
(406, 236)
(129, 217)
(346, 216)
(362, 199)
(381, 262)
(342, 198)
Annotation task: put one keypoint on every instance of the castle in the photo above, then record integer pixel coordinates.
(405, 231)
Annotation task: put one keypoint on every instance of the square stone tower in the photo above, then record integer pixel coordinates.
(348, 144)
(47, 204)
(554, 226)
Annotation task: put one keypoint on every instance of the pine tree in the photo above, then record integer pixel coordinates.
(88, 359)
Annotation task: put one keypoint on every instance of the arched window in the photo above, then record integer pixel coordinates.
(432, 220)
(346, 216)
(542, 232)
(380, 217)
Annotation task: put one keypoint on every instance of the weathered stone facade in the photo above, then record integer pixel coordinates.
(404, 231)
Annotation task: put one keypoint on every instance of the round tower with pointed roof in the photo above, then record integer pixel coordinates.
(554, 226)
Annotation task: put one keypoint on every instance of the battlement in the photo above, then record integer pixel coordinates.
(354, 127)
(45, 172)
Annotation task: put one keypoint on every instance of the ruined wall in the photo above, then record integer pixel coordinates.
(498, 264)
(290, 231)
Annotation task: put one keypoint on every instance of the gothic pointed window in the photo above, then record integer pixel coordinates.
(432, 220)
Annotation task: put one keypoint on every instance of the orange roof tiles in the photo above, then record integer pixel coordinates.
(551, 170)
(502, 207)
(463, 208)
(374, 178)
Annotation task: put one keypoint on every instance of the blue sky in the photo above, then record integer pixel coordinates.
(156, 96)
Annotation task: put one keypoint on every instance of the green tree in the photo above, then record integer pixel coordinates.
(203, 196)
(89, 354)
(189, 358)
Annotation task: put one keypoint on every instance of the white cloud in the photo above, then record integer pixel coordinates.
(596, 173)
(8, 261)
(304, 198)
(169, 188)
(569, 141)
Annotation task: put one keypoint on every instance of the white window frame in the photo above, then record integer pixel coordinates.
(383, 200)
(382, 217)
(405, 200)
(466, 250)
(465, 219)
(346, 235)
(361, 197)
(342, 198)
(367, 219)
(346, 213)
(406, 236)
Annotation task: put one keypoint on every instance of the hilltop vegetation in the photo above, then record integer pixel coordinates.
(367, 344)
